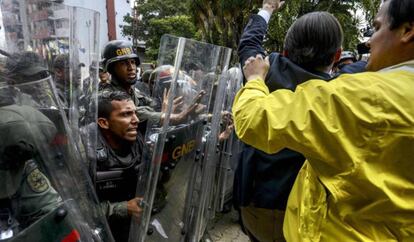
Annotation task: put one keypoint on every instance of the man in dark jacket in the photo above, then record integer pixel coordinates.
(263, 182)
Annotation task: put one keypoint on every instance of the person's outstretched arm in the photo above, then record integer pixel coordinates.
(251, 41)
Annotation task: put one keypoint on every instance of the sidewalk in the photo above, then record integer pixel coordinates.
(227, 229)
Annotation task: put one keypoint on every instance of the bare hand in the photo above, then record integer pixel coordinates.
(227, 118)
(272, 5)
(256, 67)
(195, 107)
(133, 208)
(177, 102)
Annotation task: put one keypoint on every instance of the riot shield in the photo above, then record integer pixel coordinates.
(184, 86)
(43, 175)
(220, 148)
(66, 38)
(44, 172)
(229, 146)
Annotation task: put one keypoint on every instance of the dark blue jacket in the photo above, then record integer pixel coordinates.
(355, 67)
(261, 179)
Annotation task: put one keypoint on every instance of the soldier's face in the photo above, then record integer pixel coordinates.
(123, 121)
(126, 70)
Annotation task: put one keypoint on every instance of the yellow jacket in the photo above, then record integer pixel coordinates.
(357, 133)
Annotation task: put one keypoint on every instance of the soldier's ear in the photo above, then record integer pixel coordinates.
(103, 123)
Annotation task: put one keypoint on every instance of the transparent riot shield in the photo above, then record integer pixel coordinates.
(220, 148)
(66, 38)
(229, 145)
(46, 194)
(183, 86)
(37, 49)
(83, 65)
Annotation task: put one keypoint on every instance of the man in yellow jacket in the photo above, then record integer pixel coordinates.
(357, 133)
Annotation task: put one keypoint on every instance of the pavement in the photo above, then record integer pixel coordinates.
(226, 229)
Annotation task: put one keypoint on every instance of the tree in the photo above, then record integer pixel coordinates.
(342, 10)
(221, 21)
(175, 25)
(158, 17)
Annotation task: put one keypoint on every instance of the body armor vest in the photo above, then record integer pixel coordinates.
(116, 179)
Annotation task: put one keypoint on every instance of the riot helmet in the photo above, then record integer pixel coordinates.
(117, 50)
(21, 73)
(347, 55)
(25, 67)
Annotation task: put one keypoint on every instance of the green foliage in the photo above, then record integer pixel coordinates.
(159, 17)
(344, 11)
(175, 25)
(221, 22)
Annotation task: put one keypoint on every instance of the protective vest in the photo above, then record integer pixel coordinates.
(116, 177)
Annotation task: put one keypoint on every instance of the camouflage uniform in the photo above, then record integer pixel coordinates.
(145, 104)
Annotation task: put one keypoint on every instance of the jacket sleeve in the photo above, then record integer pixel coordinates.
(251, 40)
(322, 120)
(147, 113)
(118, 209)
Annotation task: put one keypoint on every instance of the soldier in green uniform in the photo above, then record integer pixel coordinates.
(24, 67)
(31, 209)
(118, 160)
(26, 194)
(121, 62)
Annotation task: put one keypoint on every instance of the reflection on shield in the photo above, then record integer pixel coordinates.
(44, 46)
(182, 155)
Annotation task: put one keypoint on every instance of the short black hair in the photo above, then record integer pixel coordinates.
(313, 39)
(399, 12)
(105, 99)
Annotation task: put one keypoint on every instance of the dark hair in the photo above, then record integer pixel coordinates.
(313, 40)
(105, 99)
(399, 12)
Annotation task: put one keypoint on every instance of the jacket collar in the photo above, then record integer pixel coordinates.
(406, 66)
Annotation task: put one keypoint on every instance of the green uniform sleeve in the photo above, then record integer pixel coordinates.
(147, 113)
(37, 197)
(118, 209)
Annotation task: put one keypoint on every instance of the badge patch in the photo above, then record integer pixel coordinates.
(37, 181)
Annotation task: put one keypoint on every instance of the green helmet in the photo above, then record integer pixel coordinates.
(23, 129)
(25, 67)
(117, 50)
